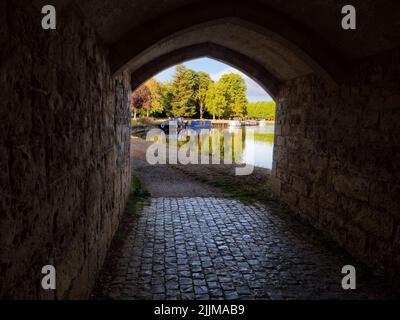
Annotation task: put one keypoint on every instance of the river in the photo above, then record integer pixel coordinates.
(257, 146)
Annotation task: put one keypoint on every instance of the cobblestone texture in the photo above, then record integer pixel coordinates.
(215, 248)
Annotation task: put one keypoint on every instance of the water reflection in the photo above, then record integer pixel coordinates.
(257, 151)
(252, 145)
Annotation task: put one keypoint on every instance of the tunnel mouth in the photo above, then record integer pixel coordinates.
(202, 123)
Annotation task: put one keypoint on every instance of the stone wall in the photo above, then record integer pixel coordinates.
(337, 159)
(64, 145)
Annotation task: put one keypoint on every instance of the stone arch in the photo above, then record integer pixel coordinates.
(243, 63)
(293, 39)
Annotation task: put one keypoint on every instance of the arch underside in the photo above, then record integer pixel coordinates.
(254, 70)
(270, 49)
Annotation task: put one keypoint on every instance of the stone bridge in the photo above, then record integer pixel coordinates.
(65, 121)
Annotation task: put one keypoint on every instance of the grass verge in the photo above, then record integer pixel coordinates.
(250, 188)
(136, 196)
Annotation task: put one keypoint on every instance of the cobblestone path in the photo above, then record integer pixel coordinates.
(216, 248)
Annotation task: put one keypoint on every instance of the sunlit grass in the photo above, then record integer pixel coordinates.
(137, 194)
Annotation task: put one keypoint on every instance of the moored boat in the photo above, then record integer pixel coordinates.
(235, 123)
(249, 123)
(173, 123)
(199, 124)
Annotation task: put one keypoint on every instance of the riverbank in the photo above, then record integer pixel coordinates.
(156, 121)
(198, 179)
(140, 127)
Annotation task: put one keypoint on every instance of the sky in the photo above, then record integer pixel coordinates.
(216, 69)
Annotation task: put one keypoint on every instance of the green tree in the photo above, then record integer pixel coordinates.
(156, 104)
(234, 88)
(167, 95)
(215, 100)
(184, 92)
(204, 81)
(261, 109)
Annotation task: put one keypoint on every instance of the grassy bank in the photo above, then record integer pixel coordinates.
(137, 195)
(137, 198)
(254, 187)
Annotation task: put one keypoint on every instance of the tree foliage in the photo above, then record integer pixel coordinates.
(156, 104)
(234, 89)
(263, 109)
(184, 92)
(141, 99)
(193, 94)
(167, 96)
(204, 81)
(215, 100)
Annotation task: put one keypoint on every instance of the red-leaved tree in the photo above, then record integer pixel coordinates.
(141, 99)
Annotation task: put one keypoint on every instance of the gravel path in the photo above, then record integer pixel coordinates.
(164, 180)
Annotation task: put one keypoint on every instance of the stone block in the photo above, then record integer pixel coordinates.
(289, 197)
(280, 141)
(300, 185)
(308, 208)
(393, 102)
(374, 221)
(356, 241)
(276, 186)
(352, 186)
(375, 103)
(332, 221)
